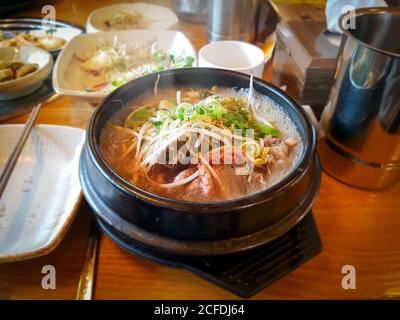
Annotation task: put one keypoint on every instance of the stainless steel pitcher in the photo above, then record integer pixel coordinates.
(191, 10)
(361, 123)
(233, 19)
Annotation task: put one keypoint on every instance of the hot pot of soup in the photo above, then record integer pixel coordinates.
(199, 161)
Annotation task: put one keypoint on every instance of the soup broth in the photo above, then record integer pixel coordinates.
(201, 145)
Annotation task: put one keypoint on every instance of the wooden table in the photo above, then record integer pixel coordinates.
(299, 10)
(358, 227)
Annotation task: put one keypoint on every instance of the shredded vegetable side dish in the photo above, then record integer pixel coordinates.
(113, 64)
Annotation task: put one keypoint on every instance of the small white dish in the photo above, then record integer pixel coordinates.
(13, 29)
(233, 55)
(67, 74)
(154, 17)
(66, 33)
(27, 84)
(43, 193)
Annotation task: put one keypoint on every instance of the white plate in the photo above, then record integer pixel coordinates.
(66, 33)
(43, 193)
(155, 17)
(67, 72)
(13, 26)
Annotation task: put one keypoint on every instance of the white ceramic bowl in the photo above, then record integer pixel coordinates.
(25, 85)
(155, 17)
(233, 55)
(67, 73)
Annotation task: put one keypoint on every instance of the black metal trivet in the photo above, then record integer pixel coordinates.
(244, 273)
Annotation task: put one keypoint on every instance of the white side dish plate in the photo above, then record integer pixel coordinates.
(43, 193)
(67, 74)
(152, 17)
(60, 32)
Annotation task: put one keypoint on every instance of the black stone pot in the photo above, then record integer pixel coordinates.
(189, 228)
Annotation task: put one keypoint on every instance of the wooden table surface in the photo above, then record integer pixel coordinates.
(358, 227)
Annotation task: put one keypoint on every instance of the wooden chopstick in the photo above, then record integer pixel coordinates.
(13, 158)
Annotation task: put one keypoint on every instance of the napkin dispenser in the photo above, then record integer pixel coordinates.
(305, 61)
